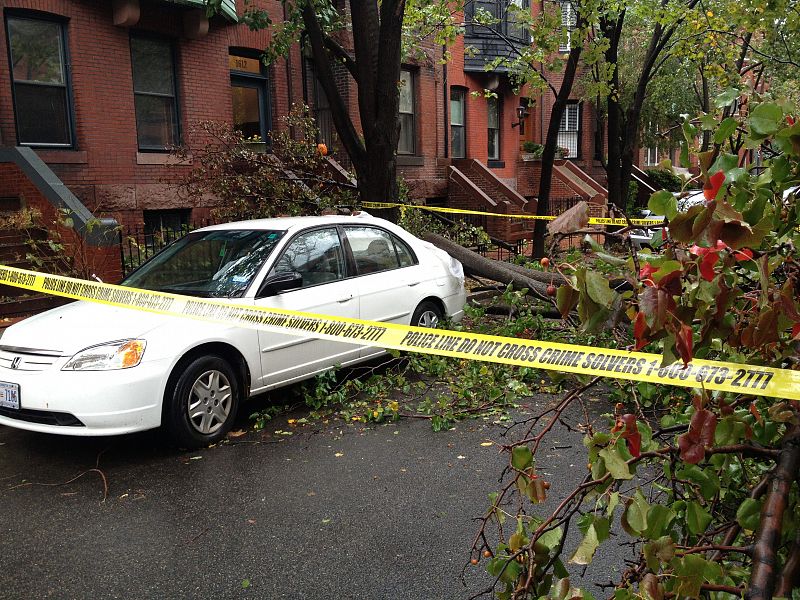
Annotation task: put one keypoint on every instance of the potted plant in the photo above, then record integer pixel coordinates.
(531, 150)
(562, 152)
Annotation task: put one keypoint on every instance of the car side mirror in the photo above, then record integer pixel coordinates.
(280, 282)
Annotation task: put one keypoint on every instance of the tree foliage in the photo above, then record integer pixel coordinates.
(704, 484)
(252, 178)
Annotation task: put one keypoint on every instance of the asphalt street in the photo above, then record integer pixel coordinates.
(331, 511)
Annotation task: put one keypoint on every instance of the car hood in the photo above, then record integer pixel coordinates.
(75, 326)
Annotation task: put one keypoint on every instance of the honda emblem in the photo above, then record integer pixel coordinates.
(15, 362)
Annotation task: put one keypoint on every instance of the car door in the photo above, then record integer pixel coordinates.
(318, 256)
(389, 276)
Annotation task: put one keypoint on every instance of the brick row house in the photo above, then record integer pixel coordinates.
(94, 94)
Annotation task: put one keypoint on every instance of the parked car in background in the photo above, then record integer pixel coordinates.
(89, 369)
(650, 237)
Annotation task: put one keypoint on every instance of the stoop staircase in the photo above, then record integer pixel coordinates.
(472, 186)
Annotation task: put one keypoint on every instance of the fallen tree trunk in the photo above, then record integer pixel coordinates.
(475, 264)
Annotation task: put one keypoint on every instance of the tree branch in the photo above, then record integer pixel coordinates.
(768, 537)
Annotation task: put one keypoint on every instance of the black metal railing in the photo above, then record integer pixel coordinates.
(139, 243)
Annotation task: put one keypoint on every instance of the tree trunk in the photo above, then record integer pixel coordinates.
(614, 122)
(375, 68)
(475, 264)
(549, 151)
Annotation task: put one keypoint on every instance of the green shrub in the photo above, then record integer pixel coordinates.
(665, 180)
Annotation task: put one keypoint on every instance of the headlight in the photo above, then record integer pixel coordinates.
(122, 354)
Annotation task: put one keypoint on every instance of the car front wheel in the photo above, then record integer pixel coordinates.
(427, 314)
(202, 402)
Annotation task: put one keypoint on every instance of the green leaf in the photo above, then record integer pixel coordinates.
(663, 203)
(615, 463)
(707, 122)
(697, 517)
(684, 156)
(635, 516)
(659, 518)
(766, 119)
(585, 552)
(748, 515)
(725, 130)
(661, 550)
(598, 289)
(690, 571)
(613, 502)
(521, 458)
(726, 97)
(725, 163)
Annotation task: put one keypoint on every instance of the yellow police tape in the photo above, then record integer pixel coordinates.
(460, 211)
(587, 360)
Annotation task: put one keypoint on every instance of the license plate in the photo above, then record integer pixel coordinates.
(9, 395)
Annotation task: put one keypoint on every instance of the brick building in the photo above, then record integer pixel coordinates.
(94, 94)
(101, 91)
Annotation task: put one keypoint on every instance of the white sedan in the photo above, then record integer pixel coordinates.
(89, 369)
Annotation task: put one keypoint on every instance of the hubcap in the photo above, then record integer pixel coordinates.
(428, 319)
(209, 402)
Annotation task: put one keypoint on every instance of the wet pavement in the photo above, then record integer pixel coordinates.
(332, 511)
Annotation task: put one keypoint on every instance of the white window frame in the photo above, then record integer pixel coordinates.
(568, 23)
(569, 130)
(410, 116)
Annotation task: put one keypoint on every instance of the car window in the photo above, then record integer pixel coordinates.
(316, 255)
(215, 264)
(377, 250)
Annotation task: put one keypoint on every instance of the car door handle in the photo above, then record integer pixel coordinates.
(413, 283)
(346, 299)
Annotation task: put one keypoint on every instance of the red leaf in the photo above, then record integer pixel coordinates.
(743, 254)
(707, 265)
(639, 329)
(790, 120)
(645, 273)
(683, 343)
(631, 434)
(796, 330)
(693, 443)
(712, 186)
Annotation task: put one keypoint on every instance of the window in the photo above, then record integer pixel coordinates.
(37, 51)
(376, 250)
(174, 221)
(568, 23)
(493, 126)
(407, 142)
(316, 255)
(154, 93)
(569, 130)
(457, 122)
(249, 95)
(517, 25)
(651, 156)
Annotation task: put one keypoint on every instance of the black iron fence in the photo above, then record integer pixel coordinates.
(139, 243)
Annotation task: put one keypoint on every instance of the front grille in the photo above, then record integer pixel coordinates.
(29, 359)
(43, 417)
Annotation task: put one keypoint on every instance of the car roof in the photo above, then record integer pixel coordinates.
(290, 223)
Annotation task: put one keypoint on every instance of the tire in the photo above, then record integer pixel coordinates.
(427, 314)
(201, 402)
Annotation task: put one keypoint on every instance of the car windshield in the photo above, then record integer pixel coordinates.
(211, 264)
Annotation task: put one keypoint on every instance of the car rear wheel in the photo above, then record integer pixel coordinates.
(427, 314)
(202, 402)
